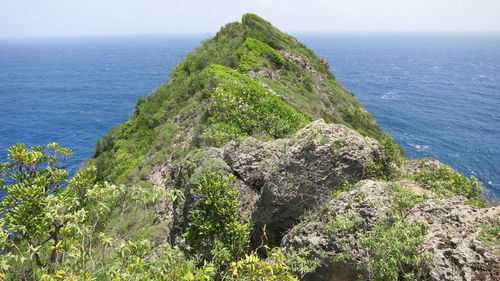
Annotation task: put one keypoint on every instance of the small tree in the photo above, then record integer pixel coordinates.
(34, 209)
(215, 231)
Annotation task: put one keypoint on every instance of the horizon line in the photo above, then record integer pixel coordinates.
(211, 34)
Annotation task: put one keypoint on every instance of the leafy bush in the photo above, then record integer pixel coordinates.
(445, 181)
(387, 166)
(252, 267)
(49, 232)
(241, 107)
(403, 199)
(301, 262)
(342, 222)
(253, 53)
(35, 209)
(394, 253)
(214, 230)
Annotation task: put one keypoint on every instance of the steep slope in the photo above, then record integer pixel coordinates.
(199, 107)
(255, 142)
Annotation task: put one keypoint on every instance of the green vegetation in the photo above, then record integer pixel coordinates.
(99, 231)
(302, 262)
(490, 235)
(50, 232)
(403, 199)
(205, 95)
(445, 181)
(258, 28)
(342, 222)
(92, 227)
(274, 268)
(215, 232)
(387, 166)
(250, 56)
(241, 107)
(394, 253)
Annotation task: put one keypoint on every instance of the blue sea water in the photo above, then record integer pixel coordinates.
(437, 94)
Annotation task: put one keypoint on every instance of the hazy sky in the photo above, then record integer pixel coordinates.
(27, 18)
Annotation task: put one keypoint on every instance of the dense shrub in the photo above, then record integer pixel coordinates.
(403, 199)
(215, 231)
(445, 181)
(394, 250)
(387, 166)
(241, 107)
(253, 54)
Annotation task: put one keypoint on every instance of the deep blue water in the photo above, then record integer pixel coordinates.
(438, 94)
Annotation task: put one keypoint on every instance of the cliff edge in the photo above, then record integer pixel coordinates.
(255, 116)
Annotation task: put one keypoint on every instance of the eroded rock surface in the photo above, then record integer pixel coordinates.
(451, 239)
(289, 186)
(316, 161)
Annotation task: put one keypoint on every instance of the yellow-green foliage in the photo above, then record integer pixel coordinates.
(403, 199)
(445, 181)
(241, 107)
(71, 239)
(253, 54)
(394, 252)
(253, 268)
(342, 222)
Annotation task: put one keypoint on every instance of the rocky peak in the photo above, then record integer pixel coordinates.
(310, 165)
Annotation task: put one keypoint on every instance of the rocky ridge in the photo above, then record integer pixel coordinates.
(309, 163)
(295, 187)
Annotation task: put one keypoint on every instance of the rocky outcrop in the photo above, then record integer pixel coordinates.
(364, 206)
(316, 161)
(311, 193)
(452, 240)
(456, 254)
(310, 190)
(278, 180)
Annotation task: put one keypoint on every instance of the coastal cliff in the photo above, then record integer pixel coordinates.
(255, 113)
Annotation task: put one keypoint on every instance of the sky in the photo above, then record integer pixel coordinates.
(61, 18)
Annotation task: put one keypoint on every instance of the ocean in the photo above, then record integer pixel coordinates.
(438, 94)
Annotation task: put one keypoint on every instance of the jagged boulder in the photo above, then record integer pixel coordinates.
(333, 233)
(452, 240)
(278, 180)
(316, 161)
(361, 209)
(252, 160)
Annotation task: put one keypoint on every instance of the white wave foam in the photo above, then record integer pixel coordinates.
(419, 147)
(390, 95)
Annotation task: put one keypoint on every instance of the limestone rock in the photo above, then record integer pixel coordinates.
(452, 240)
(317, 160)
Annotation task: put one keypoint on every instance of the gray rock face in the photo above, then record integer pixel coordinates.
(278, 180)
(252, 161)
(287, 186)
(451, 239)
(316, 161)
